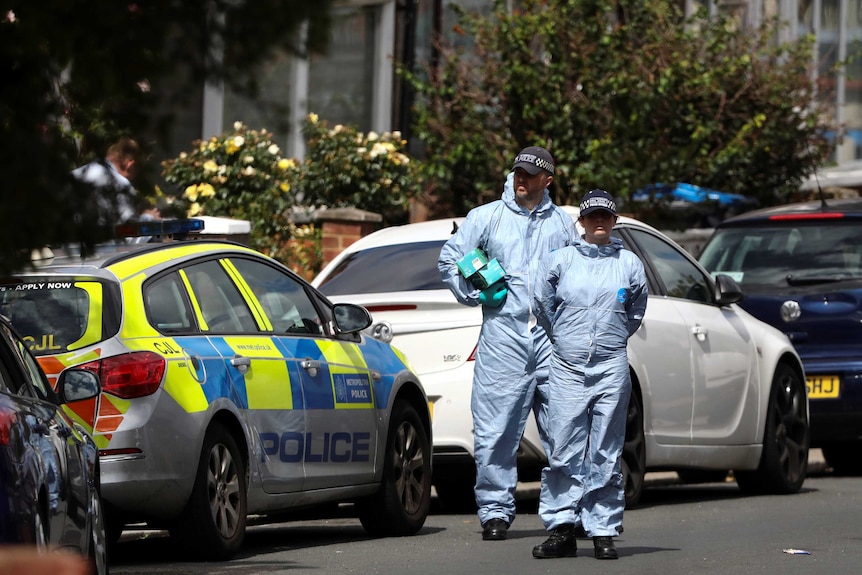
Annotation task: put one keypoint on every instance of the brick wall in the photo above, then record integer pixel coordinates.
(340, 227)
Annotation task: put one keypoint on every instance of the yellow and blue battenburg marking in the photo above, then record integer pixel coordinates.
(275, 379)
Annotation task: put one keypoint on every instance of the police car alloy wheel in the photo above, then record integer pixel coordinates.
(213, 523)
(400, 506)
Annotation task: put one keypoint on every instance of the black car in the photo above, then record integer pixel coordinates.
(49, 472)
(800, 268)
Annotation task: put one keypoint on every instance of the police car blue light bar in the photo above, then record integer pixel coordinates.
(159, 228)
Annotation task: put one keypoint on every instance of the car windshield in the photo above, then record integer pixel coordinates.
(401, 267)
(53, 315)
(790, 252)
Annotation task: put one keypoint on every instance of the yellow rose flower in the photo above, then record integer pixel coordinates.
(378, 149)
(284, 187)
(194, 210)
(210, 166)
(191, 193)
(312, 117)
(206, 190)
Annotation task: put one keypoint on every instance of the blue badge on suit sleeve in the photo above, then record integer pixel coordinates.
(621, 295)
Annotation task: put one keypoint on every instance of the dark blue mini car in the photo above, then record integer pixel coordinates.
(800, 268)
(49, 482)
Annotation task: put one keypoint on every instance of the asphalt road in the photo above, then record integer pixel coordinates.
(678, 530)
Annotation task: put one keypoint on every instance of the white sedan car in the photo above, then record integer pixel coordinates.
(714, 388)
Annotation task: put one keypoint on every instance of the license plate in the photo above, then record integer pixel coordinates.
(822, 386)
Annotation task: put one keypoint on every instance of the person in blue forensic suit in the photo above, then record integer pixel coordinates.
(590, 297)
(510, 377)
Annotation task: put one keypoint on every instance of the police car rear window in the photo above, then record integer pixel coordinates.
(401, 267)
(54, 315)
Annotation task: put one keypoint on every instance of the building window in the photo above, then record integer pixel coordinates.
(350, 84)
(341, 83)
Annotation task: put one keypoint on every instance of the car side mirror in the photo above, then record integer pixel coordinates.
(350, 318)
(78, 385)
(727, 291)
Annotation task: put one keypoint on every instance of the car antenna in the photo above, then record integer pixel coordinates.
(823, 204)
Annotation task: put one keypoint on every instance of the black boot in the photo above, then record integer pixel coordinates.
(494, 530)
(605, 548)
(561, 543)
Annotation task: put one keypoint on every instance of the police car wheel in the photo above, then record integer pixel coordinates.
(212, 526)
(634, 451)
(784, 460)
(401, 505)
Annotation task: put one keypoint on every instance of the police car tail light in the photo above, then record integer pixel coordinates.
(130, 375)
(473, 354)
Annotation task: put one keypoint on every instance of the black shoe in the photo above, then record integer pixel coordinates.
(494, 530)
(605, 548)
(561, 543)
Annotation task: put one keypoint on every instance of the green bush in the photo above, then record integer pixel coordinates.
(240, 174)
(624, 93)
(345, 167)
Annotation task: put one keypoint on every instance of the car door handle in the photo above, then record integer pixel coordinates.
(311, 366)
(241, 363)
(700, 332)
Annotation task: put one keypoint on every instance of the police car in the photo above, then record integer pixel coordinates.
(230, 387)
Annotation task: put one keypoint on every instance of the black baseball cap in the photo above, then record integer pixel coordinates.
(533, 159)
(598, 200)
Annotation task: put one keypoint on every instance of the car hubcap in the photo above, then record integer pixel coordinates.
(790, 429)
(633, 449)
(409, 470)
(223, 488)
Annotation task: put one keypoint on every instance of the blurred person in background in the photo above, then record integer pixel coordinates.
(111, 176)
